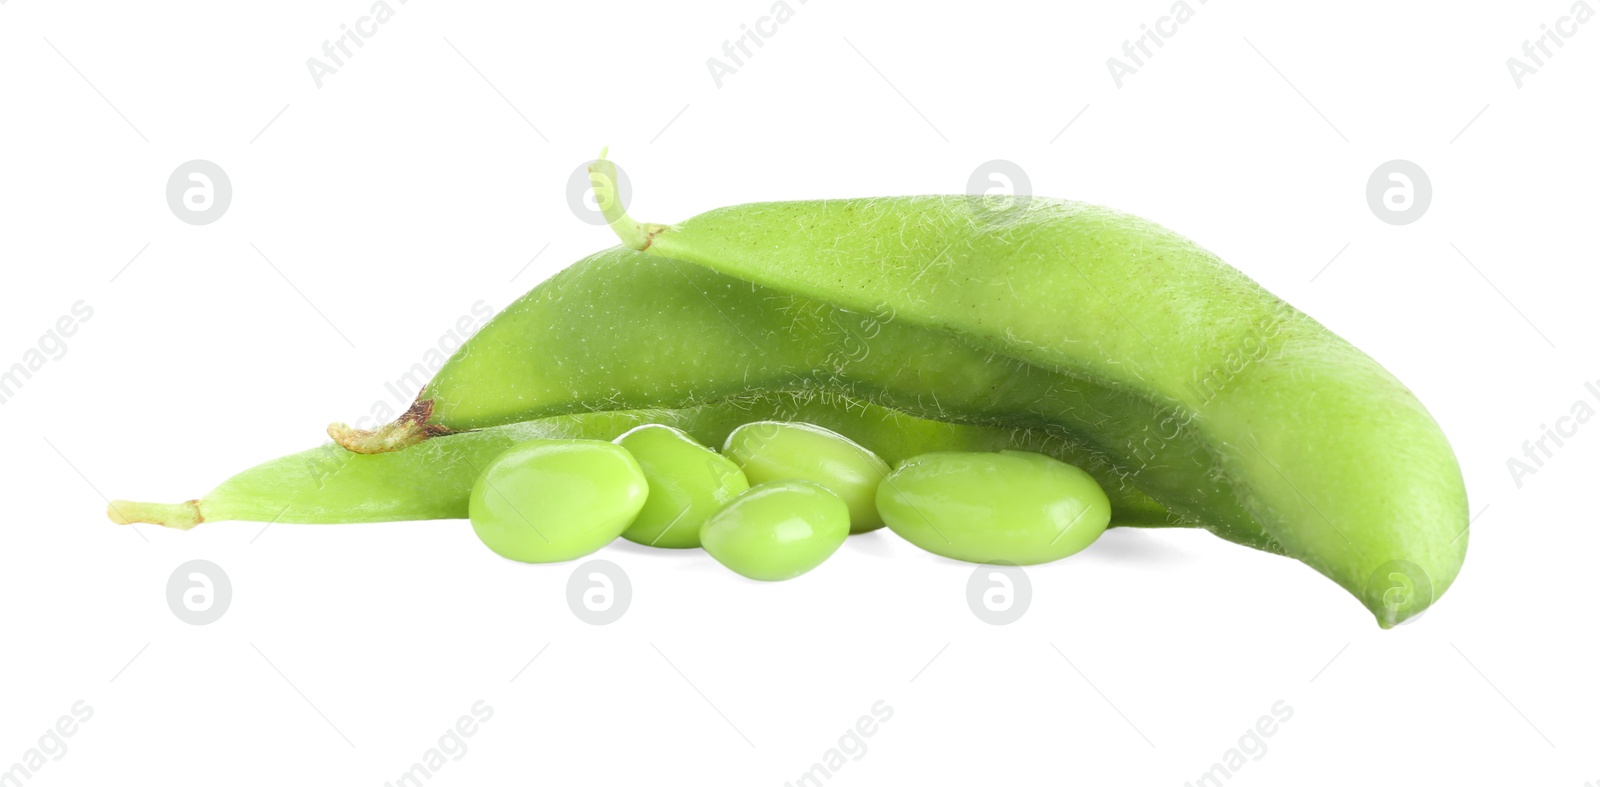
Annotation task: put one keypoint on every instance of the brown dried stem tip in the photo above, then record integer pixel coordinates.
(410, 428)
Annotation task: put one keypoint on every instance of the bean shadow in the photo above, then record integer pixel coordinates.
(1144, 547)
(1147, 547)
(694, 561)
(878, 544)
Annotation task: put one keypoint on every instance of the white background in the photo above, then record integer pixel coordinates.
(426, 173)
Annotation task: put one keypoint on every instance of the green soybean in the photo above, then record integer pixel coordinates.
(1011, 507)
(688, 483)
(545, 501)
(777, 530)
(777, 451)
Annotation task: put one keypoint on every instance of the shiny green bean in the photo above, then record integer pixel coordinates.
(688, 483)
(777, 451)
(1009, 507)
(777, 530)
(546, 501)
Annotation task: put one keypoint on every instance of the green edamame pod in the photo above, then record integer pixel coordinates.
(777, 530)
(327, 484)
(433, 480)
(778, 451)
(549, 501)
(1253, 404)
(622, 329)
(688, 483)
(1011, 507)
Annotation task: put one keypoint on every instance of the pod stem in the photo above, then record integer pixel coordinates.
(178, 516)
(410, 428)
(603, 178)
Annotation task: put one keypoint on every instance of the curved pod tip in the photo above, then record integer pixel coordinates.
(178, 516)
(389, 437)
(410, 428)
(603, 179)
